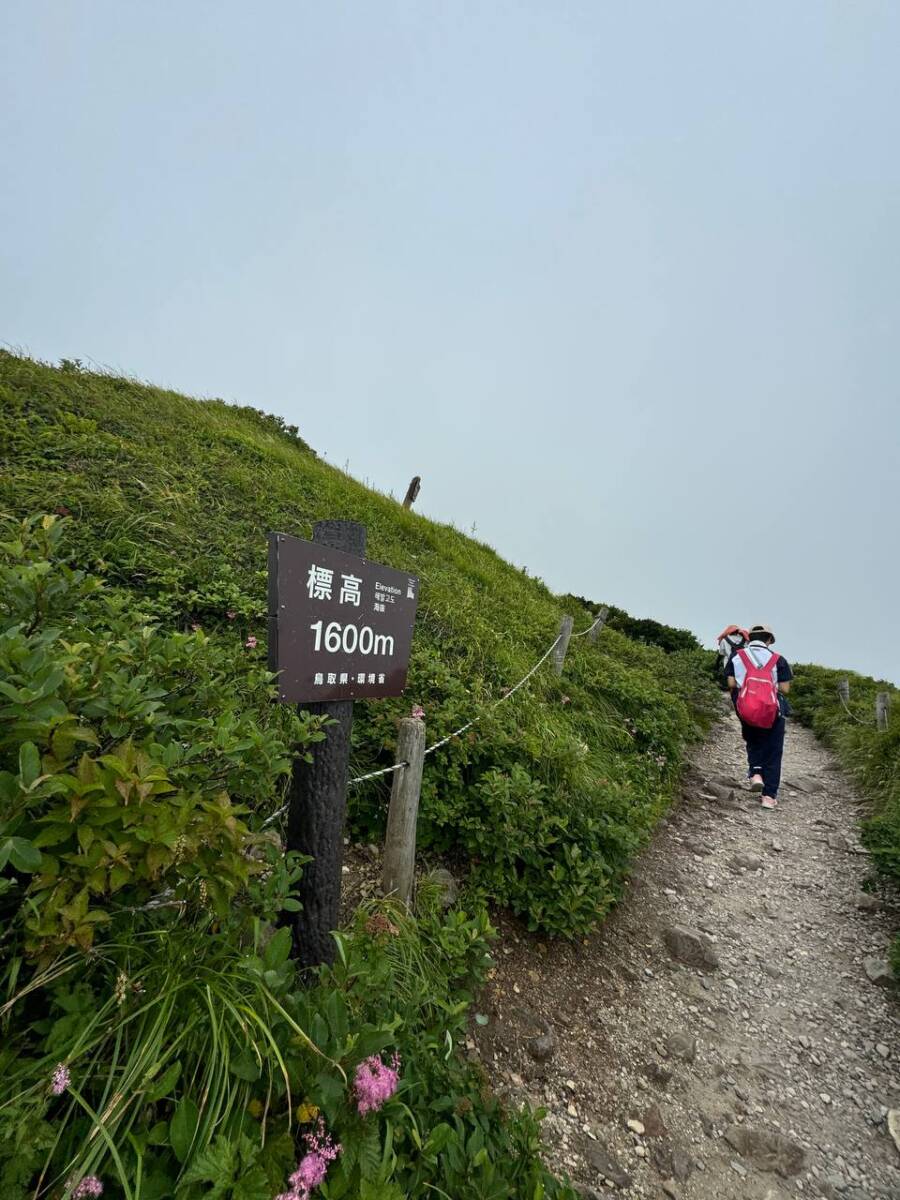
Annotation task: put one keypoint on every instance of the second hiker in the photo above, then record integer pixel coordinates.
(759, 680)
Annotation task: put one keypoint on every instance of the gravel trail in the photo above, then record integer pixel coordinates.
(728, 1035)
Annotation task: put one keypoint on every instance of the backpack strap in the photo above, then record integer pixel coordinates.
(750, 665)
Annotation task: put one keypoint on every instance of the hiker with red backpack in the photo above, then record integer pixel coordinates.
(759, 680)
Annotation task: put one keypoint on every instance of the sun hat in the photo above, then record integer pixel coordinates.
(756, 630)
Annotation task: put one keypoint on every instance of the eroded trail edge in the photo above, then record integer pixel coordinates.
(729, 1034)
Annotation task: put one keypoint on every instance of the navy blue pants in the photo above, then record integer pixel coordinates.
(764, 750)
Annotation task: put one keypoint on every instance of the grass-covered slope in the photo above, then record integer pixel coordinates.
(871, 755)
(544, 802)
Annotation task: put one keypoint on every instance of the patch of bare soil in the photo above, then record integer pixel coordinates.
(729, 1034)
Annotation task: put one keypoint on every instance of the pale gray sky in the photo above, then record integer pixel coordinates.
(621, 282)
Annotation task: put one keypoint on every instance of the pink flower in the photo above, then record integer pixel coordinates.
(374, 1083)
(231, 614)
(250, 642)
(61, 1079)
(418, 712)
(313, 1166)
(89, 1186)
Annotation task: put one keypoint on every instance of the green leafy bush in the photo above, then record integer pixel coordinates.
(128, 755)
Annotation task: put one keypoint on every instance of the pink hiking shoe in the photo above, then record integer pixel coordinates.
(769, 802)
(756, 783)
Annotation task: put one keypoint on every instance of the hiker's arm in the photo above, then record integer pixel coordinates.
(732, 683)
(784, 688)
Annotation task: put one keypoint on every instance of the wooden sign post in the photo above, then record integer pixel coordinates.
(340, 628)
(882, 710)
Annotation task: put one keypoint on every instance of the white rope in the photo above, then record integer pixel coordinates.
(274, 817)
(512, 691)
(358, 779)
(600, 620)
(849, 713)
(374, 774)
(462, 729)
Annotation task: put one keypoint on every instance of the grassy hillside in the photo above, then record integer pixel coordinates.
(170, 500)
(871, 756)
(157, 1043)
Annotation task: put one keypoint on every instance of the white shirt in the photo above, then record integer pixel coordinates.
(759, 653)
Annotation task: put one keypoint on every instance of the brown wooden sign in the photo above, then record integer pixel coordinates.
(340, 626)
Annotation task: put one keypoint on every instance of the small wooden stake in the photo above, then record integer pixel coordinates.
(412, 491)
(844, 690)
(400, 842)
(562, 644)
(882, 709)
(598, 624)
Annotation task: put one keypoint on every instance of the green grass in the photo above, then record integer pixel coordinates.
(545, 802)
(871, 756)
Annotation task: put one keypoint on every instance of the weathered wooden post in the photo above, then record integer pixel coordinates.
(317, 798)
(340, 629)
(412, 491)
(844, 690)
(882, 710)
(562, 643)
(600, 621)
(398, 873)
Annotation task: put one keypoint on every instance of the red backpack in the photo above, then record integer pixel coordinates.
(757, 702)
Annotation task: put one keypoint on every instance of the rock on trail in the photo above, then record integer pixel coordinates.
(731, 1033)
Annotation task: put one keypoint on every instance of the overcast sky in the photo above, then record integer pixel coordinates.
(621, 282)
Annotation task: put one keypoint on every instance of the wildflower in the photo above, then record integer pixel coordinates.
(306, 1112)
(250, 642)
(313, 1166)
(61, 1079)
(195, 626)
(231, 614)
(255, 1109)
(121, 988)
(567, 700)
(374, 1083)
(90, 1186)
(418, 712)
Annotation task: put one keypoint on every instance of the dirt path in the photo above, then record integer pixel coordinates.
(767, 1075)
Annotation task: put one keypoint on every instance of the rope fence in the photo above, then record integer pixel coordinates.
(882, 707)
(859, 720)
(595, 626)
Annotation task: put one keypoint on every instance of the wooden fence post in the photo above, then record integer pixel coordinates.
(882, 709)
(844, 690)
(598, 624)
(562, 643)
(412, 491)
(317, 799)
(398, 873)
